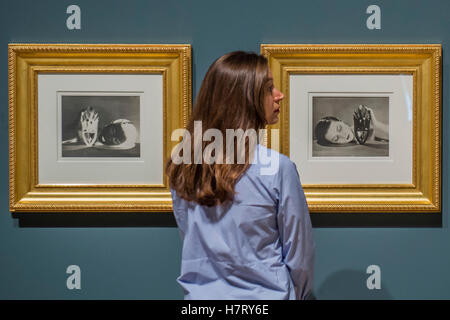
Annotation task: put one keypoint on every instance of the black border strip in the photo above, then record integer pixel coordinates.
(167, 219)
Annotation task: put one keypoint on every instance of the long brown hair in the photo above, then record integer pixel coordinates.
(231, 97)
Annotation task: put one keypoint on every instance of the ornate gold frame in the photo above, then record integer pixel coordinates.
(424, 63)
(26, 61)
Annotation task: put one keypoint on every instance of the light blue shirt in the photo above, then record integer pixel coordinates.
(260, 246)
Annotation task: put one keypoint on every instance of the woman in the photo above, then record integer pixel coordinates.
(331, 130)
(245, 235)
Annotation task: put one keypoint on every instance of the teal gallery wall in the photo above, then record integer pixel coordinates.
(139, 258)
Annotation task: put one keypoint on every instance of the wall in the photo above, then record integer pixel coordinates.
(123, 257)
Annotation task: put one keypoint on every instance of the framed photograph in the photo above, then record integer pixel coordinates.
(90, 125)
(362, 124)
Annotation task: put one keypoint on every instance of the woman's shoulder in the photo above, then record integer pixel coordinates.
(271, 163)
(261, 149)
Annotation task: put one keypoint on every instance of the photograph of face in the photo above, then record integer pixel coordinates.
(350, 126)
(100, 126)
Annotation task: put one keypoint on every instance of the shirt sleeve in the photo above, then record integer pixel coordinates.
(295, 229)
(179, 213)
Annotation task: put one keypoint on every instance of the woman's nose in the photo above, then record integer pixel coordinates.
(278, 94)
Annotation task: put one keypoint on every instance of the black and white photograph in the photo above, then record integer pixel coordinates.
(350, 126)
(100, 126)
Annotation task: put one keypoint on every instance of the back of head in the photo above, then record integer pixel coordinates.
(231, 97)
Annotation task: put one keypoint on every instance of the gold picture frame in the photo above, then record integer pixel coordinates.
(30, 63)
(421, 64)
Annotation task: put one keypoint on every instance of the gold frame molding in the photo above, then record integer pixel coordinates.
(423, 62)
(26, 61)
